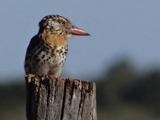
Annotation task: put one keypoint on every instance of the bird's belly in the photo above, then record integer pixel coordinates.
(56, 64)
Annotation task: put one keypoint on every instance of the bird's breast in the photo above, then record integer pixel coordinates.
(54, 55)
(45, 59)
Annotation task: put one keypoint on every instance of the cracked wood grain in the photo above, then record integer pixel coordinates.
(50, 98)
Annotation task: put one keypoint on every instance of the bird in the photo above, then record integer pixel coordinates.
(47, 51)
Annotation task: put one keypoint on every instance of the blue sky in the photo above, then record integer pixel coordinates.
(118, 28)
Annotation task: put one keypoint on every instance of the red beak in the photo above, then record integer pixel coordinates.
(77, 31)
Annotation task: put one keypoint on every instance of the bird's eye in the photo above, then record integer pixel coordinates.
(62, 23)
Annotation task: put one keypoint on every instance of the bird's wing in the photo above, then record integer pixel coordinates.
(33, 43)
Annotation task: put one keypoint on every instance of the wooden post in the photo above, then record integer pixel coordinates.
(50, 98)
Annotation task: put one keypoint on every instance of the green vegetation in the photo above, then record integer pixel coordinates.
(12, 101)
(123, 93)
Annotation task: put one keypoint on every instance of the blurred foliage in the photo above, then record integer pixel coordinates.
(12, 100)
(123, 93)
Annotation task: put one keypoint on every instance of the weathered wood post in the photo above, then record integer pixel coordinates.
(50, 98)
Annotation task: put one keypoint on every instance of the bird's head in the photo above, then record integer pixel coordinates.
(59, 26)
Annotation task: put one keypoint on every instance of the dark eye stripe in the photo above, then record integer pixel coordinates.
(59, 21)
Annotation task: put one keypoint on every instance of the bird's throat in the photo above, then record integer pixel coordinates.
(56, 40)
